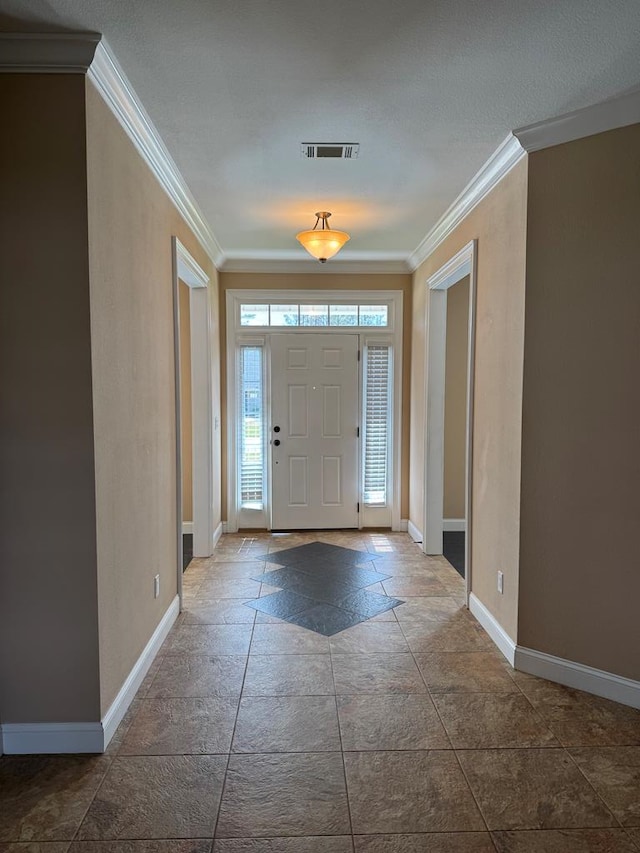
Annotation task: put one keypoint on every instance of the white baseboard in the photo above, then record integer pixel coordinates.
(404, 525)
(52, 738)
(579, 676)
(34, 738)
(454, 525)
(576, 675)
(413, 531)
(120, 704)
(493, 628)
(187, 527)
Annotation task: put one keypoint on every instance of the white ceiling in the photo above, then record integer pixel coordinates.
(429, 89)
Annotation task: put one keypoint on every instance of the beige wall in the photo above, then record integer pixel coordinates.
(48, 597)
(323, 281)
(185, 402)
(131, 222)
(499, 224)
(455, 399)
(88, 449)
(580, 552)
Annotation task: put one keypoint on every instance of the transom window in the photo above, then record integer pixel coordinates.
(312, 314)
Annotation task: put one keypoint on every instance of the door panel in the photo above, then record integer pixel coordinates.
(332, 357)
(314, 401)
(298, 411)
(331, 480)
(298, 493)
(331, 414)
(297, 358)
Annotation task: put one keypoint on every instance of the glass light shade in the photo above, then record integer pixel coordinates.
(322, 244)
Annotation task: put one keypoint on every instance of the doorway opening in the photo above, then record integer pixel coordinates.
(449, 411)
(186, 431)
(194, 428)
(455, 424)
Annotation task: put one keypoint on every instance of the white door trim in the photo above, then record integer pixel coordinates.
(187, 270)
(236, 335)
(461, 265)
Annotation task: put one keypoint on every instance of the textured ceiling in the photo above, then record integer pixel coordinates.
(429, 89)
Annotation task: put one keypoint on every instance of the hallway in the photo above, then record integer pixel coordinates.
(406, 732)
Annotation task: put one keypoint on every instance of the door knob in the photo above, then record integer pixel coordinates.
(276, 429)
(277, 442)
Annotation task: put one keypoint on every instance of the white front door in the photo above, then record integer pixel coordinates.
(314, 431)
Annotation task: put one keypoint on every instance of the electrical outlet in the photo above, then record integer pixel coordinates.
(500, 582)
(156, 586)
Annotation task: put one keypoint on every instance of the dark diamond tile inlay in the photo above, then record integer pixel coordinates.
(283, 577)
(281, 604)
(295, 577)
(326, 619)
(322, 588)
(317, 551)
(368, 604)
(313, 565)
(355, 575)
(318, 587)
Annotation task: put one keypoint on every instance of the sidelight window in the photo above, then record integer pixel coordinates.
(377, 419)
(251, 428)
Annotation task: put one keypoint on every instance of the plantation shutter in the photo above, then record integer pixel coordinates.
(376, 424)
(250, 428)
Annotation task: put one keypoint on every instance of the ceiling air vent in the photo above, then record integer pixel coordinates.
(339, 150)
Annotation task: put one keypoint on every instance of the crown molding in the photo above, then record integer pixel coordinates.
(89, 53)
(47, 53)
(599, 118)
(111, 82)
(607, 115)
(503, 159)
(283, 262)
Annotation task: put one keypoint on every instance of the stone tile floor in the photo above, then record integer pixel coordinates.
(404, 733)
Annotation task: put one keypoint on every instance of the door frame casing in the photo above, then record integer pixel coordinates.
(458, 267)
(237, 335)
(188, 271)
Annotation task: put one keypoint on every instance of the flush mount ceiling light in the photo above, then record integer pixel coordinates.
(322, 243)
